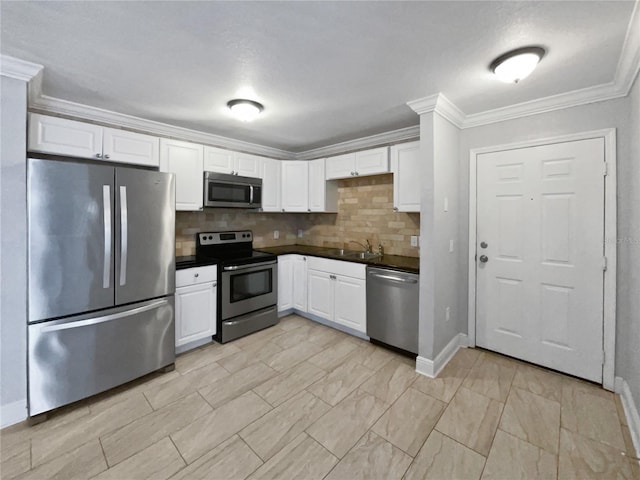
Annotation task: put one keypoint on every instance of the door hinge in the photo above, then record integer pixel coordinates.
(606, 169)
(604, 264)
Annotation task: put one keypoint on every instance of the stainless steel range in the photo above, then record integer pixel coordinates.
(247, 283)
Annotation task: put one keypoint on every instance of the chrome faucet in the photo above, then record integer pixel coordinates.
(367, 247)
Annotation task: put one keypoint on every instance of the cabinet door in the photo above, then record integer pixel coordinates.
(405, 165)
(300, 283)
(248, 165)
(130, 147)
(295, 186)
(341, 166)
(271, 185)
(219, 160)
(350, 303)
(285, 282)
(317, 186)
(372, 162)
(185, 160)
(320, 294)
(195, 312)
(64, 137)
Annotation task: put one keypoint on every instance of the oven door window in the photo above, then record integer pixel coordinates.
(228, 192)
(252, 284)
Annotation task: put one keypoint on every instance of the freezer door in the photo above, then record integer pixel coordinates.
(80, 356)
(71, 238)
(145, 225)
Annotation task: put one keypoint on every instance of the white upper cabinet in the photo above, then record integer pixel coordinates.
(366, 162)
(271, 174)
(247, 165)
(323, 195)
(295, 186)
(186, 161)
(129, 147)
(405, 165)
(227, 161)
(219, 160)
(372, 162)
(60, 136)
(341, 166)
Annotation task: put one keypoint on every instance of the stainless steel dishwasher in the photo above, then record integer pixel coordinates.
(392, 308)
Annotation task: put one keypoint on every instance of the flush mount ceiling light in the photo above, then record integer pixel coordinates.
(517, 64)
(245, 110)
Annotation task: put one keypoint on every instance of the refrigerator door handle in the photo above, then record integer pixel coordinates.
(103, 319)
(106, 208)
(123, 235)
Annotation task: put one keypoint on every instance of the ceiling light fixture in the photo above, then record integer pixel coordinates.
(517, 64)
(245, 110)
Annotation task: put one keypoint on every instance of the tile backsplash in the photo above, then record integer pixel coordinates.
(365, 211)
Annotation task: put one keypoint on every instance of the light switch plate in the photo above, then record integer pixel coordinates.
(299, 233)
(414, 240)
(446, 204)
(450, 246)
(276, 234)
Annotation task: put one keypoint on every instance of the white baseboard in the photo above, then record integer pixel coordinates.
(431, 368)
(630, 410)
(12, 413)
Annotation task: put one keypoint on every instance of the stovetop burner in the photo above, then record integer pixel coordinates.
(229, 248)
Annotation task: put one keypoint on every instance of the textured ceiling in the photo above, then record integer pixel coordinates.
(325, 71)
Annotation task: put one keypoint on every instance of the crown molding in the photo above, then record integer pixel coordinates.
(597, 93)
(440, 104)
(380, 139)
(19, 69)
(57, 106)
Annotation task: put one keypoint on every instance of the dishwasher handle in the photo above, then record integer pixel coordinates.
(394, 278)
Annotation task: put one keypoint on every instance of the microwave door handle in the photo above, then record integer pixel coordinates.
(250, 194)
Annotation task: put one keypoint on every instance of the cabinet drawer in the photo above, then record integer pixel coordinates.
(337, 267)
(193, 276)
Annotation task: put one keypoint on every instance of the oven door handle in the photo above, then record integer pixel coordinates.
(233, 268)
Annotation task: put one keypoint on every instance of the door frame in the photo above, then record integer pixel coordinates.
(610, 236)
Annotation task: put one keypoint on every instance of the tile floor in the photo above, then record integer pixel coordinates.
(304, 401)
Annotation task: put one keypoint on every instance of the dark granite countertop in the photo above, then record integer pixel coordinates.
(191, 262)
(396, 262)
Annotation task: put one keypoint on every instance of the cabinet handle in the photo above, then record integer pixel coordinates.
(304, 258)
(332, 277)
(232, 172)
(98, 155)
(357, 174)
(308, 209)
(196, 275)
(353, 173)
(283, 209)
(214, 284)
(106, 156)
(395, 209)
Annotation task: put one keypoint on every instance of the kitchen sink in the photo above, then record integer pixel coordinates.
(341, 252)
(363, 255)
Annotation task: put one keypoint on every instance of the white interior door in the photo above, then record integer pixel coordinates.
(540, 255)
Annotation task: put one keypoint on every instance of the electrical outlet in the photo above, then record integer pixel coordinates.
(450, 246)
(414, 240)
(299, 233)
(446, 204)
(447, 314)
(276, 234)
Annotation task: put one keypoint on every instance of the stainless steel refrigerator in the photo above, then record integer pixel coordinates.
(101, 253)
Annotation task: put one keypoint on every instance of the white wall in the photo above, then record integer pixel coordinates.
(609, 114)
(439, 143)
(13, 251)
(628, 335)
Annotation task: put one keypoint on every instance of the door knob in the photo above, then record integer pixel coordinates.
(484, 259)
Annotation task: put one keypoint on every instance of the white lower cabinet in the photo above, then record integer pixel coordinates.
(196, 302)
(292, 283)
(337, 292)
(285, 282)
(300, 282)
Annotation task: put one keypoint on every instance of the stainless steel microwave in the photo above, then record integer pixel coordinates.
(231, 191)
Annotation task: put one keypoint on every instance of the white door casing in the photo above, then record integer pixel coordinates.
(541, 211)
